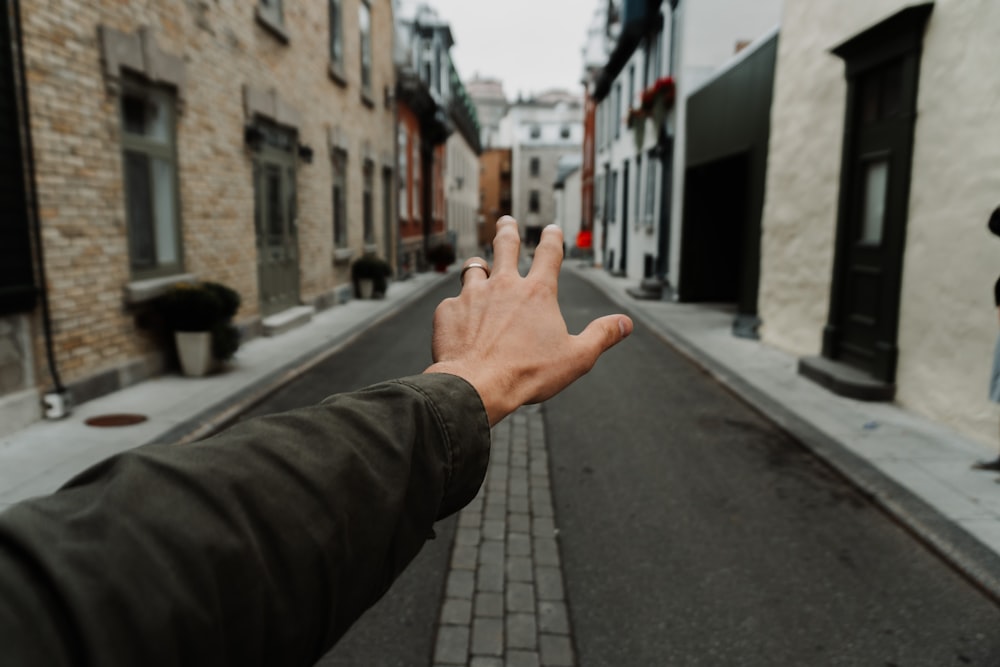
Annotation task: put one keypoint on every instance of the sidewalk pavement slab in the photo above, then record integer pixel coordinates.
(916, 470)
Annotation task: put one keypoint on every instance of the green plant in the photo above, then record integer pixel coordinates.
(205, 306)
(190, 307)
(442, 254)
(371, 268)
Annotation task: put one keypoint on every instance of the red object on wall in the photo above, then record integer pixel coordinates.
(585, 239)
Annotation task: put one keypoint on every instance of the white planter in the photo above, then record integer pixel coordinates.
(366, 287)
(195, 351)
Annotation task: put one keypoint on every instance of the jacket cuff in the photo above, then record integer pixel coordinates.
(465, 433)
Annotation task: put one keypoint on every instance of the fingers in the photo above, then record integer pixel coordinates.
(475, 269)
(548, 256)
(601, 335)
(506, 246)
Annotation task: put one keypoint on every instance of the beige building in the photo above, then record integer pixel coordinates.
(884, 167)
(249, 143)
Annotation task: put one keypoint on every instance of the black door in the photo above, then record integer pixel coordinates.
(623, 263)
(875, 192)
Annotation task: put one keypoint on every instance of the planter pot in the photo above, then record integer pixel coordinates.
(366, 288)
(441, 268)
(195, 351)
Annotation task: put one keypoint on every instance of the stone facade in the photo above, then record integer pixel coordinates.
(947, 323)
(221, 62)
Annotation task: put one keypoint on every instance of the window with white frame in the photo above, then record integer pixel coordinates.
(149, 166)
(637, 211)
(652, 167)
(535, 167)
(340, 199)
(613, 197)
(365, 28)
(416, 165)
(534, 201)
(337, 35)
(403, 151)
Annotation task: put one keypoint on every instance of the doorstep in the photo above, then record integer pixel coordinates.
(287, 320)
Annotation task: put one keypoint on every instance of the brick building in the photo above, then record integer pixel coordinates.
(249, 143)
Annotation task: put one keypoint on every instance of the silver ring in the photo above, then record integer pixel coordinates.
(473, 265)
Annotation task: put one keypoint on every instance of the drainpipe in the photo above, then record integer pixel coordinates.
(55, 402)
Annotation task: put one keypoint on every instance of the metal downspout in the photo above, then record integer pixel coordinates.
(55, 402)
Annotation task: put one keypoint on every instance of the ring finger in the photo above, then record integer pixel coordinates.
(474, 269)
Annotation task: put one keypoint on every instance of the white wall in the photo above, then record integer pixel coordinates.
(461, 188)
(947, 321)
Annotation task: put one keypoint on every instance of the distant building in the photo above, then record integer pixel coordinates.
(540, 131)
(568, 204)
(491, 106)
(462, 171)
(661, 52)
(423, 93)
(494, 191)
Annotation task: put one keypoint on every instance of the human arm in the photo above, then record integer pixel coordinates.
(259, 546)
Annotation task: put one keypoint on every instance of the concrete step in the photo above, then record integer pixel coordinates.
(286, 320)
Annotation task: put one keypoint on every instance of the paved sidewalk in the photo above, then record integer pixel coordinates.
(504, 601)
(916, 470)
(40, 458)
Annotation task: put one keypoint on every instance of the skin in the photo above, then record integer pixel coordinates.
(505, 334)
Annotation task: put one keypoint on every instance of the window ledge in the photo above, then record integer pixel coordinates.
(371, 248)
(337, 74)
(141, 291)
(367, 99)
(342, 255)
(272, 26)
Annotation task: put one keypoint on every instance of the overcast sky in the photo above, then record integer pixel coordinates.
(531, 45)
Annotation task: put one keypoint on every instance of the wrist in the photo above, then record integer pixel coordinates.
(495, 399)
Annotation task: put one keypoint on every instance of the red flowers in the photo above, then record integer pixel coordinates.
(663, 88)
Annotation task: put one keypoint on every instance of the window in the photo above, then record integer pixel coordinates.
(534, 202)
(150, 173)
(618, 110)
(535, 166)
(536, 131)
(417, 212)
(651, 170)
(336, 35)
(367, 203)
(365, 26)
(339, 199)
(613, 197)
(630, 100)
(404, 172)
(598, 197)
(271, 14)
(564, 132)
(637, 211)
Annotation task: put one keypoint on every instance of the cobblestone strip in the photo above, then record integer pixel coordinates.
(504, 603)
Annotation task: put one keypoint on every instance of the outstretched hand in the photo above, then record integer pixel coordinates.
(506, 335)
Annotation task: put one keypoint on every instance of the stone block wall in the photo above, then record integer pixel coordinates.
(224, 50)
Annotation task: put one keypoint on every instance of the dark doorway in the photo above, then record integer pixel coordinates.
(715, 220)
(623, 262)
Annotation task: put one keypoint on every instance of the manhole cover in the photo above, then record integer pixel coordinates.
(115, 420)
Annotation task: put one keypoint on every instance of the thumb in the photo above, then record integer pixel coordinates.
(604, 333)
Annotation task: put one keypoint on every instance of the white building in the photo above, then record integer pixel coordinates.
(639, 174)
(568, 213)
(461, 174)
(893, 104)
(540, 131)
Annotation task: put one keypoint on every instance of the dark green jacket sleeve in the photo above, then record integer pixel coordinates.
(259, 546)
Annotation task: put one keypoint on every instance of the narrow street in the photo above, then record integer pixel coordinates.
(691, 530)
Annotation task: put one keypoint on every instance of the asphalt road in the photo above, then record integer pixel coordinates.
(692, 531)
